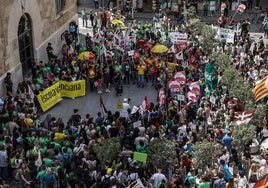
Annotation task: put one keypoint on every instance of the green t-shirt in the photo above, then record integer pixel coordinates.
(48, 162)
(45, 71)
(40, 175)
(57, 146)
(43, 150)
(31, 152)
(44, 141)
(141, 149)
(204, 185)
(31, 140)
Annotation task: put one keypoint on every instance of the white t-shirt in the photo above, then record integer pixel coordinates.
(157, 178)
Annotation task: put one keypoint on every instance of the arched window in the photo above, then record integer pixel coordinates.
(25, 43)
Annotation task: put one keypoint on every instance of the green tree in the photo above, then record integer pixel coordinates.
(161, 152)
(258, 116)
(242, 134)
(107, 150)
(189, 14)
(237, 86)
(208, 34)
(204, 154)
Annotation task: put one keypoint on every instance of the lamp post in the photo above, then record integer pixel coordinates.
(117, 6)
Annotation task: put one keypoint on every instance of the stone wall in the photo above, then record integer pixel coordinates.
(47, 26)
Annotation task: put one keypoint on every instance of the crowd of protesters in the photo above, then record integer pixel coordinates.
(52, 153)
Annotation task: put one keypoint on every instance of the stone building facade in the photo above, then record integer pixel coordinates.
(26, 28)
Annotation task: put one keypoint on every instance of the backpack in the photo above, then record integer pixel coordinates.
(107, 180)
(67, 163)
(253, 178)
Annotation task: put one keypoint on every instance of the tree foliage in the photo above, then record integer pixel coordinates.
(208, 34)
(259, 114)
(231, 79)
(204, 153)
(243, 134)
(107, 150)
(189, 14)
(161, 152)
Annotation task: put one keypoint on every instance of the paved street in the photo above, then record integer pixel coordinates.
(90, 102)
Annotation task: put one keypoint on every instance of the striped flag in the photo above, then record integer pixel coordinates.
(180, 77)
(195, 87)
(117, 33)
(96, 38)
(243, 117)
(187, 105)
(162, 96)
(174, 86)
(192, 96)
(261, 89)
(145, 106)
(262, 183)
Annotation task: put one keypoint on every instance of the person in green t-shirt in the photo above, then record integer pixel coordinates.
(48, 162)
(204, 182)
(84, 17)
(40, 175)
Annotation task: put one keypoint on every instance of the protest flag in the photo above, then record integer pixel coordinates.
(243, 117)
(180, 77)
(195, 87)
(191, 96)
(162, 96)
(241, 8)
(187, 105)
(96, 38)
(261, 89)
(104, 110)
(38, 161)
(262, 183)
(145, 105)
(209, 80)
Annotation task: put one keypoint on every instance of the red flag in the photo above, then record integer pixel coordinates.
(145, 105)
(241, 7)
(187, 105)
(180, 77)
(96, 37)
(174, 86)
(243, 117)
(191, 96)
(195, 87)
(223, 6)
(162, 96)
(262, 183)
(116, 33)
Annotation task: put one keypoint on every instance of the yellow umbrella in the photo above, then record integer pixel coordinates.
(159, 48)
(118, 22)
(86, 56)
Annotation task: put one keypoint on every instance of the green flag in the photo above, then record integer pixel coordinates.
(210, 79)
